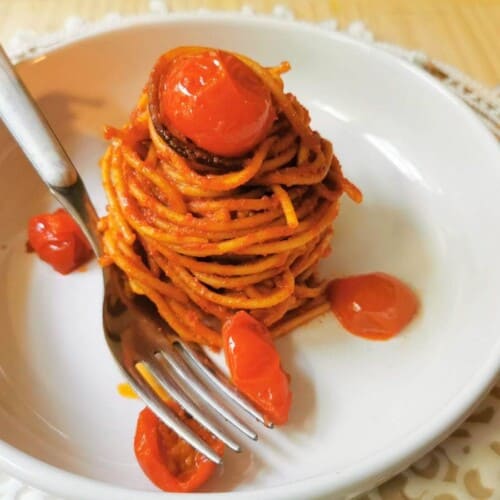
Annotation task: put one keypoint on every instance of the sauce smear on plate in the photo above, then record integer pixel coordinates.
(375, 306)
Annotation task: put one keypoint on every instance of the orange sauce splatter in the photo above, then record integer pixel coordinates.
(374, 306)
(126, 391)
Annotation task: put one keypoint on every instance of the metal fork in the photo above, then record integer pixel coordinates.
(134, 332)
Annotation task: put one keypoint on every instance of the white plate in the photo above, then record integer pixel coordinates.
(362, 410)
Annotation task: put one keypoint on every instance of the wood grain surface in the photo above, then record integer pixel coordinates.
(464, 33)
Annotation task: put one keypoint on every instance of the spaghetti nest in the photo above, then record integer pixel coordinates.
(205, 236)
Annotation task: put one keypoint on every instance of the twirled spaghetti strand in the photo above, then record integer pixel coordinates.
(203, 236)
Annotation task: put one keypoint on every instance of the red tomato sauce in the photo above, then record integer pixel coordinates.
(58, 240)
(215, 100)
(374, 306)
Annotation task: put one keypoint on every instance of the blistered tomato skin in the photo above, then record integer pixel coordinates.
(255, 366)
(167, 460)
(216, 101)
(375, 306)
(58, 240)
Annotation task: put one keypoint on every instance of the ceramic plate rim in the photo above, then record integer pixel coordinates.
(369, 472)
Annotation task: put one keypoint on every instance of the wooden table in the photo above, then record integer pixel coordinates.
(464, 33)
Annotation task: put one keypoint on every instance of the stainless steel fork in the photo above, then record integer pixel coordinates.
(134, 332)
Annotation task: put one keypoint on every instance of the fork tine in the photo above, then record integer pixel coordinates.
(167, 416)
(185, 373)
(159, 368)
(192, 358)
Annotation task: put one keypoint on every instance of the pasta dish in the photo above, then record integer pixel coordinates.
(203, 235)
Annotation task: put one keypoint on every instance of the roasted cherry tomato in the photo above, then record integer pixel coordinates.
(168, 461)
(374, 306)
(58, 241)
(255, 366)
(215, 100)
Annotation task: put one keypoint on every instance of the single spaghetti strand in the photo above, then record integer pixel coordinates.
(286, 205)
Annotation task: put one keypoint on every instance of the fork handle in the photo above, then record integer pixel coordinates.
(31, 130)
(34, 136)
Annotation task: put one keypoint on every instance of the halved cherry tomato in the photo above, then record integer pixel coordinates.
(255, 366)
(375, 306)
(58, 240)
(215, 100)
(168, 461)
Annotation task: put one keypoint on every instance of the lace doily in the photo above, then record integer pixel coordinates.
(467, 464)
